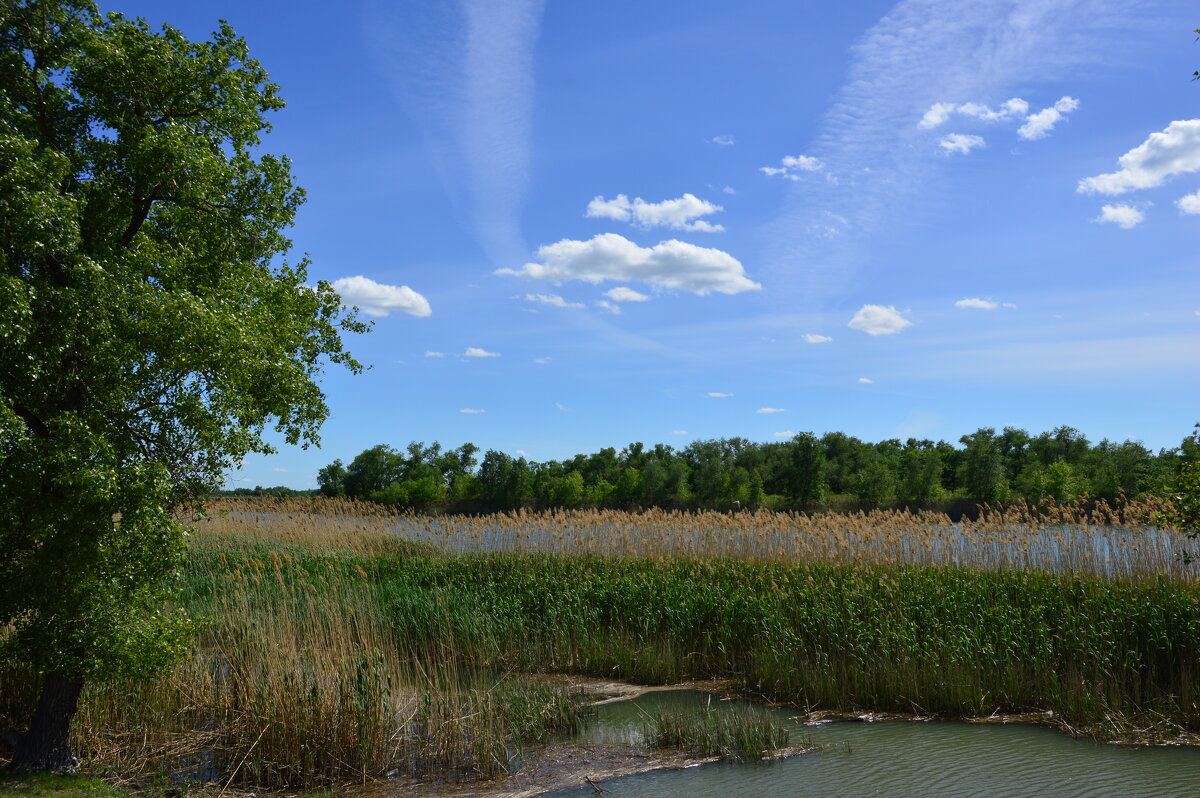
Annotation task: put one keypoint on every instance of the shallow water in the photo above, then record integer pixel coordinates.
(904, 758)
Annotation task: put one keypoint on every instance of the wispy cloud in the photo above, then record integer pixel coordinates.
(721, 141)
(961, 142)
(814, 338)
(865, 381)
(464, 72)
(431, 353)
(552, 299)
(625, 294)
(719, 395)
(770, 410)
(472, 411)
(475, 351)
(784, 433)
(920, 53)
(679, 432)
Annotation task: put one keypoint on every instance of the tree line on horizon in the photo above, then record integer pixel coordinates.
(806, 471)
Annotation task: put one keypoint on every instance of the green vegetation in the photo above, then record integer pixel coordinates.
(742, 735)
(339, 650)
(51, 785)
(835, 471)
(151, 331)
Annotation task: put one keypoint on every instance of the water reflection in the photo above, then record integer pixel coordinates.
(900, 758)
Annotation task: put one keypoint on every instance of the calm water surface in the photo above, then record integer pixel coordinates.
(901, 758)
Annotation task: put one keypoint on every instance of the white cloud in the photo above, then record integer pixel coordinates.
(879, 320)
(521, 452)
(1124, 216)
(719, 395)
(1173, 151)
(679, 432)
(280, 470)
(961, 142)
(431, 353)
(1035, 126)
(561, 406)
(679, 214)
(814, 338)
(1189, 203)
(977, 304)
(552, 299)
(939, 113)
(866, 381)
(729, 190)
(786, 433)
(670, 264)
(1039, 125)
(791, 165)
(542, 360)
(769, 410)
(609, 307)
(472, 411)
(475, 351)
(377, 299)
(723, 141)
(625, 294)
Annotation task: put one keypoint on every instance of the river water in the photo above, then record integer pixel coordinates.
(905, 758)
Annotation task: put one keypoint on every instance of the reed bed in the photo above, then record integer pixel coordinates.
(744, 734)
(1099, 539)
(349, 643)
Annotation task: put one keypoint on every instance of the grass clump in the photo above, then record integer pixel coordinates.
(49, 785)
(741, 735)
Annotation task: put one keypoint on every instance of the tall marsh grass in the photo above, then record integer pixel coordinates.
(347, 643)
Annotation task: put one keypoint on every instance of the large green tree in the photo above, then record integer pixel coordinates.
(150, 331)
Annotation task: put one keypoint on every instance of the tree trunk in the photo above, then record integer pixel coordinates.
(46, 747)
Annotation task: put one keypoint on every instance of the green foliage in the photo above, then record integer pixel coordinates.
(151, 330)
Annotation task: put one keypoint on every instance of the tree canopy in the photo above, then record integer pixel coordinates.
(152, 332)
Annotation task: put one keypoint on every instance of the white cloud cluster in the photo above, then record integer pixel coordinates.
(377, 299)
(770, 410)
(1189, 203)
(1035, 126)
(941, 112)
(475, 351)
(552, 299)
(669, 264)
(814, 338)
(625, 294)
(1173, 151)
(976, 303)
(961, 142)
(792, 165)
(785, 433)
(1124, 216)
(879, 320)
(682, 213)
(1039, 125)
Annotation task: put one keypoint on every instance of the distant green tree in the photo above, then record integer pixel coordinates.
(805, 464)
(331, 480)
(983, 467)
(151, 331)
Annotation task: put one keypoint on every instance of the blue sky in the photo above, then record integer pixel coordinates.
(584, 223)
